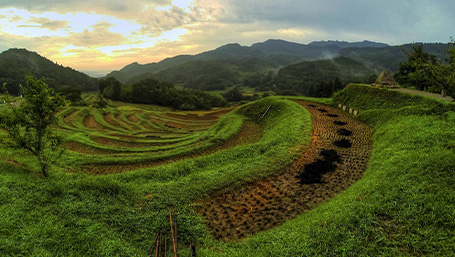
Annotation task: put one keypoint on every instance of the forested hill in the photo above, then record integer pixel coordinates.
(301, 77)
(273, 53)
(15, 64)
(389, 58)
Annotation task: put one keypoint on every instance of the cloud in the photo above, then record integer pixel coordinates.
(398, 19)
(98, 35)
(46, 23)
(117, 32)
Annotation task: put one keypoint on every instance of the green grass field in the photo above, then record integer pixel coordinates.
(404, 205)
(75, 213)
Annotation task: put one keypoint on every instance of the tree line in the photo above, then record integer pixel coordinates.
(426, 72)
(152, 91)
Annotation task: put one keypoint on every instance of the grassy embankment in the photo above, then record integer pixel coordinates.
(403, 206)
(118, 215)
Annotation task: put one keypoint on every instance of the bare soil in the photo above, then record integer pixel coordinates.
(268, 203)
(90, 122)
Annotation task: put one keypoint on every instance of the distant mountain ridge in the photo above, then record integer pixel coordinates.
(15, 64)
(345, 44)
(276, 51)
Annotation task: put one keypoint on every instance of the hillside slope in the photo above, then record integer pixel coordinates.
(301, 76)
(15, 64)
(272, 53)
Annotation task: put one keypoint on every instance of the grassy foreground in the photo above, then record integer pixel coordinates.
(403, 206)
(74, 214)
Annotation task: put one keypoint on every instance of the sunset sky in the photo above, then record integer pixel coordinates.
(106, 35)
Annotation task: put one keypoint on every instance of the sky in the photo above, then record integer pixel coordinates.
(98, 36)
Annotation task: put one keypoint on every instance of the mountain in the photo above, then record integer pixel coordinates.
(345, 44)
(281, 47)
(301, 76)
(15, 64)
(274, 53)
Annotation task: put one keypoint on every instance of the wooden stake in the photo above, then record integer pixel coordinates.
(174, 237)
(157, 252)
(154, 244)
(266, 111)
(165, 245)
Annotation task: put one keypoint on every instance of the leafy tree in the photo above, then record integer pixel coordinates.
(71, 94)
(412, 72)
(28, 123)
(233, 95)
(424, 71)
(152, 91)
(113, 84)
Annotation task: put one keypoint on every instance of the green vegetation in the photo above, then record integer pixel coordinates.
(71, 94)
(404, 204)
(388, 58)
(307, 77)
(151, 91)
(355, 97)
(150, 159)
(423, 71)
(28, 124)
(118, 215)
(15, 64)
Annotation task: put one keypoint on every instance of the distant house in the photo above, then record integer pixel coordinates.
(385, 80)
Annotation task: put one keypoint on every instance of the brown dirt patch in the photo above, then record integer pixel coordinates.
(174, 125)
(146, 125)
(68, 119)
(119, 119)
(107, 118)
(156, 121)
(90, 122)
(133, 118)
(250, 133)
(265, 204)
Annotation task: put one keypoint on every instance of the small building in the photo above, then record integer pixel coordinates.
(385, 80)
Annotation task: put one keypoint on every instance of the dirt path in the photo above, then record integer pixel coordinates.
(268, 203)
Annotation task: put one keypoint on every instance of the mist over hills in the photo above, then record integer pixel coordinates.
(266, 65)
(276, 53)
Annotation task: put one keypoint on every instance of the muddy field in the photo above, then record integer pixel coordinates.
(337, 157)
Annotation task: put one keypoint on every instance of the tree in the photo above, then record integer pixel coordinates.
(233, 95)
(72, 94)
(413, 72)
(114, 84)
(28, 123)
(424, 71)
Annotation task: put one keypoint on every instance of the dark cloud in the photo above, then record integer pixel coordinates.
(389, 18)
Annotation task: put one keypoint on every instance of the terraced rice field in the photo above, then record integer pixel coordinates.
(130, 139)
(337, 157)
(115, 140)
